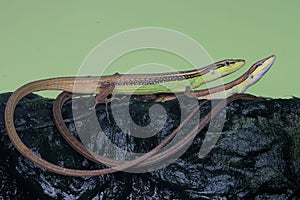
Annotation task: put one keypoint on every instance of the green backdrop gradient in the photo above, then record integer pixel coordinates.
(43, 39)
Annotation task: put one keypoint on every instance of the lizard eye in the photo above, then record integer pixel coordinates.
(251, 76)
(258, 64)
(227, 64)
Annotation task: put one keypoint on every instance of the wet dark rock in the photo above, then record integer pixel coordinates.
(256, 157)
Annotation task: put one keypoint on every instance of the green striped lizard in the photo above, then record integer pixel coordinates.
(129, 84)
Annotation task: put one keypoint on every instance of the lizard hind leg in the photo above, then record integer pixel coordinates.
(102, 98)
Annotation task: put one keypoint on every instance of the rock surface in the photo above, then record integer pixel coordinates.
(256, 157)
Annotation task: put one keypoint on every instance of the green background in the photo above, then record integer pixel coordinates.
(43, 39)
